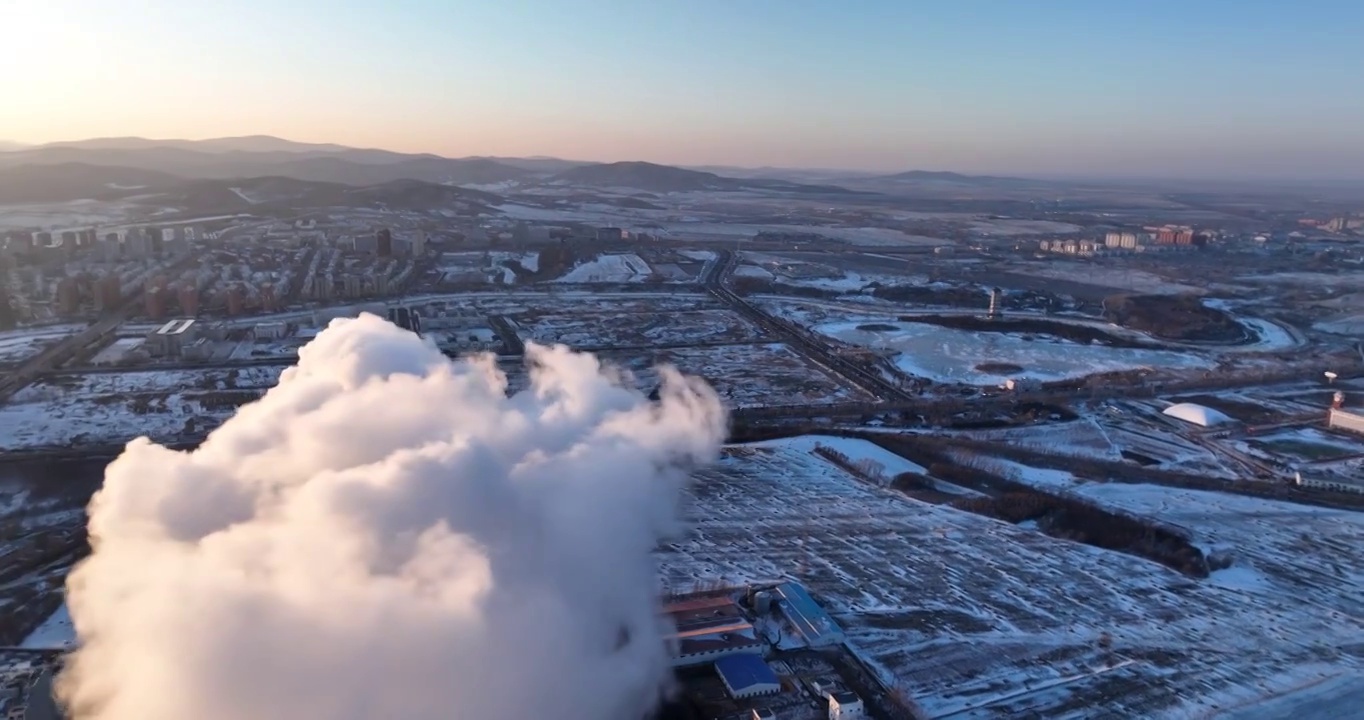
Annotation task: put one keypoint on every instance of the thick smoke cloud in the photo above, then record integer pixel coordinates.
(386, 535)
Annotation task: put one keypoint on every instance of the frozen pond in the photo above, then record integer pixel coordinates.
(952, 356)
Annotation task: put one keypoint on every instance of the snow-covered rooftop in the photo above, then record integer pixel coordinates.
(1197, 414)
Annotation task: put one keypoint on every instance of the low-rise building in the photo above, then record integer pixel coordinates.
(171, 338)
(1339, 419)
(747, 676)
(269, 330)
(845, 705)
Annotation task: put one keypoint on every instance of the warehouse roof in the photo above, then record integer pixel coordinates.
(741, 672)
(806, 616)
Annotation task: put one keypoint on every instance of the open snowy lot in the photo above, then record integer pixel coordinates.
(745, 375)
(97, 408)
(604, 327)
(1308, 444)
(957, 356)
(1139, 281)
(16, 346)
(976, 618)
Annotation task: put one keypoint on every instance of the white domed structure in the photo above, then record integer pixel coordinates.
(1197, 414)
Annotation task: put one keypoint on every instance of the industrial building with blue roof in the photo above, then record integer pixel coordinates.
(747, 676)
(806, 616)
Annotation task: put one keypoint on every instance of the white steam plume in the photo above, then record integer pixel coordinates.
(386, 535)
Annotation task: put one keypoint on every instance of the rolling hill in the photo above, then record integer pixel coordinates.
(666, 178)
(224, 159)
(269, 193)
(61, 182)
(952, 178)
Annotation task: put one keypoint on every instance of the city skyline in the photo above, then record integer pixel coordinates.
(1217, 90)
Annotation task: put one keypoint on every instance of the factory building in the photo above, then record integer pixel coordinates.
(1340, 419)
(269, 331)
(610, 234)
(747, 676)
(810, 621)
(707, 629)
(1335, 484)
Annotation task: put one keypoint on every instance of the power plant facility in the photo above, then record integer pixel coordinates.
(759, 652)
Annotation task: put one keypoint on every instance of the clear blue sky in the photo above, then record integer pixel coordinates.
(1098, 87)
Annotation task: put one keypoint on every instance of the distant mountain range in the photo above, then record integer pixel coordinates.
(260, 156)
(119, 167)
(941, 177)
(666, 178)
(61, 182)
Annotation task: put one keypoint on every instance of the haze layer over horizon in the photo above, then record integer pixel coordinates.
(1215, 89)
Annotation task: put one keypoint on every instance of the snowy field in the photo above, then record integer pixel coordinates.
(626, 268)
(1310, 279)
(76, 213)
(976, 618)
(1082, 438)
(1010, 227)
(1118, 278)
(603, 327)
(55, 633)
(1349, 325)
(951, 356)
(16, 346)
(1307, 444)
(745, 376)
(100, 408)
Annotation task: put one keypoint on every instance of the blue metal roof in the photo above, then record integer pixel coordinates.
(807, 616)
(741, 672)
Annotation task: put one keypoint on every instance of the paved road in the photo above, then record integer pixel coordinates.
(716, 281)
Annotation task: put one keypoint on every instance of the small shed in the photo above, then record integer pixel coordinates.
(747, 676)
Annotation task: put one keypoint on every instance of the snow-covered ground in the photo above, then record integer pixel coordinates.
(1133, 280)
(752, 271)
(76, 213)
(55, 633)
(978, 618)
(1311, 279)
(1349, 324)
(627, 267)
(17, 346)
(114, 407)
(952, 356)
